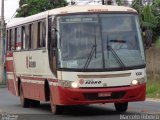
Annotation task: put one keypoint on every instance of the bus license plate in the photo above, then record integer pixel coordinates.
(108, 94)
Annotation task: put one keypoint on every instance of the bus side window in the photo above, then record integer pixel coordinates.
(15, 38)
(30, 35)
(26, 42)
(12, 39)
(42, 34)
(18, 39)
(34, 36)
(23, 37)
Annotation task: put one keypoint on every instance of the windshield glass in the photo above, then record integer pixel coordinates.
(99, 41)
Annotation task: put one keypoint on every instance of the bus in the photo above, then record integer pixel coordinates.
(77, 55)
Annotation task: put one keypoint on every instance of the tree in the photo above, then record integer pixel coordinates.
(137, 5)
(119, 2)
(30, 7)
(149, 14)
(149, 19)
(122, 2)
(156, 12)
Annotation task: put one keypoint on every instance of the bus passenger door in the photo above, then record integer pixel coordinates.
(52, 45)
(38, 59)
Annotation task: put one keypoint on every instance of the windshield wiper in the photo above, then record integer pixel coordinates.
(90, 57)
(93, 50)
(117, 58)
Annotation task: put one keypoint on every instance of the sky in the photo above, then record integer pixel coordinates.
(10, 7)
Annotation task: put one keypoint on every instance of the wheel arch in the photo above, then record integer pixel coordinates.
(47, 90)
(19, 83)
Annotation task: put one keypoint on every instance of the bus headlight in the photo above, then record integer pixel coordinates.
(134, 82)
(138, 81)
(74, 85)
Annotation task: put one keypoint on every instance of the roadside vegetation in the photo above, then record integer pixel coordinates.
(153, 70)
(153, 89)
(149, 15)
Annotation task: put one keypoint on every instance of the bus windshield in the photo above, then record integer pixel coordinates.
(99, 42)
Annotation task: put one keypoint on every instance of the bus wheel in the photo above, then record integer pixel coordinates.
(24, 101)
(121, 107)
(56, 109)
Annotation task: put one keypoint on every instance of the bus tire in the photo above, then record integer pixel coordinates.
(34, 103)
(24, 101)
(55, 109)
(121, 107)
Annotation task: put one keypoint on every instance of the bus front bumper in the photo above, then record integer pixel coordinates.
(71, 96)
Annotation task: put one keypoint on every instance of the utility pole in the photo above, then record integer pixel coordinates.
(1, 42)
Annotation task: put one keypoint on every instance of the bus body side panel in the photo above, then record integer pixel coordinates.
(54, 88)
(33, 69)
(33, 87)
(10, 72)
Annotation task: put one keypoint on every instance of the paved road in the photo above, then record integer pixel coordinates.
(11, 105)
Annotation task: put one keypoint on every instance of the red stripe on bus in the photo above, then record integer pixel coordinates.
(9, 66)
(11, 86)
(32, 78)
(53, 80)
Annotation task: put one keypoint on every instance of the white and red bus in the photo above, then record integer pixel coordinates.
(77, 55)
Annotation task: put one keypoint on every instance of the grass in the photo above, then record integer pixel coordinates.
(153, 89)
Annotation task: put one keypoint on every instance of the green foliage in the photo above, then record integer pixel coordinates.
(30, 7)
(122, 2)
(119, 2)
(149, 19)
(156, 12)
(153, 89)
(137, 5)
(149, 15)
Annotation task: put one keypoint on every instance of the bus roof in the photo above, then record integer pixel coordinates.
(71, 9)
(91, 8)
